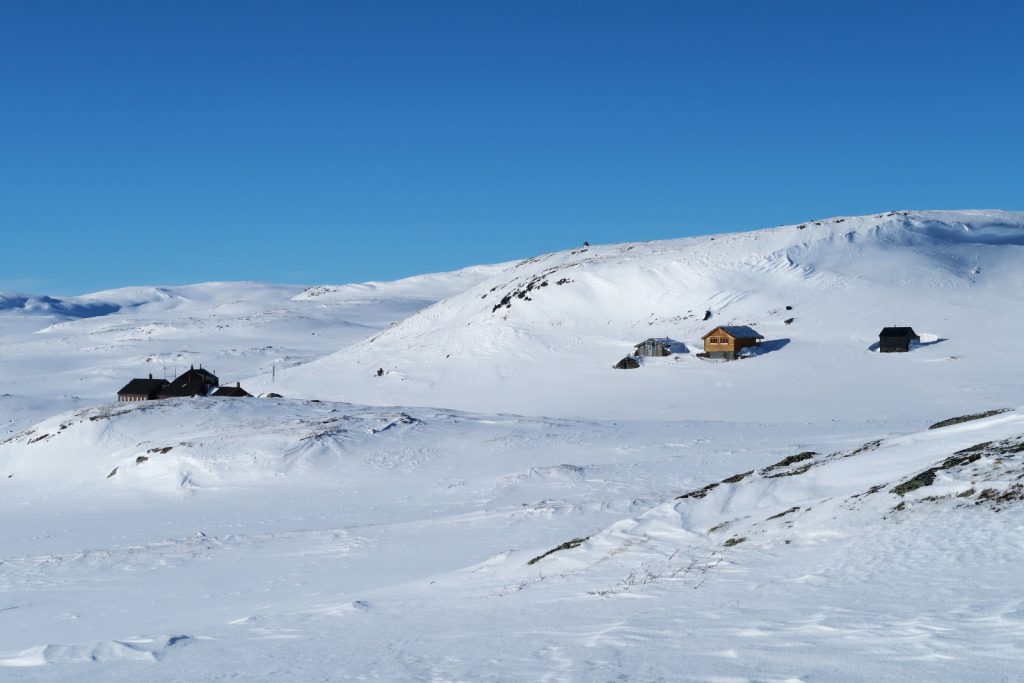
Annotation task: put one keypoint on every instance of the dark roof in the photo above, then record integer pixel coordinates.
(190, 383)
(231, 391)
(142, 387)
(193, 372)
(175, 390)
(737, 331)
(898, 332)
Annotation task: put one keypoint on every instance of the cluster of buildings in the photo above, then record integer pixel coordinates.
(726, 342)
(193, 382)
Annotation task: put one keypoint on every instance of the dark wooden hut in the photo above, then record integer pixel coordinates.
(233, 392)
(141, 389)
(193, 382)
(627, 363)
(896, 339)
(726, 341)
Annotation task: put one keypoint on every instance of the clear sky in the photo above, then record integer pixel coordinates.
(312, 142)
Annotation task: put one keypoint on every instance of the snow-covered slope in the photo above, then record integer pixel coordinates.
(203, 539)
(540, 338)
(501, 504)
(57, 354)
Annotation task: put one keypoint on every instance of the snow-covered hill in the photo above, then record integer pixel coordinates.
(502, 504)
(540, 337)
(57, 354)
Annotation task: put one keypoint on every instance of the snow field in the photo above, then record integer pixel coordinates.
(501, 504)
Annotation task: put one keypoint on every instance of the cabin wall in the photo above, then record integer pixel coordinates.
(743, 343)
(718, 347)
(893, 345)
(731, 344)
(655, 350)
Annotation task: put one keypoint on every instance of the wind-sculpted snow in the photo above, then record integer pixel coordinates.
(63, 308)
(292, 538)
(183, 446)
(134, 650)
(806, 498)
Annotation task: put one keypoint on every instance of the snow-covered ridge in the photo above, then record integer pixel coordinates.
(540, 336)
(180, 446)
(432, 286)
(974, 466)
(638, 271)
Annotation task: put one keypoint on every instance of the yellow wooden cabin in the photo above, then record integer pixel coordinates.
(726, 341)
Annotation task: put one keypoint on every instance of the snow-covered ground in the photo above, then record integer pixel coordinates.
(502, 504)
(65, 353)
(540, 337)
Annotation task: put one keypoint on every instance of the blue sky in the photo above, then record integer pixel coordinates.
(308, 142)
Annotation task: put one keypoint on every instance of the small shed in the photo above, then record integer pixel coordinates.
(896, 339)
(652, 347)
(141, 389)
(627, 363)
(233, 392)
(726, 341)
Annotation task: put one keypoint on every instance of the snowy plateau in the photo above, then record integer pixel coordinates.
(502, 504)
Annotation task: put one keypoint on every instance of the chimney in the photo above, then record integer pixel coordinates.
(238, 385)
(151, 375)
(191, 367)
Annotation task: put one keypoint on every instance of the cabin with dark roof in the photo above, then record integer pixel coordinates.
(726, 341)
(896, 339)
(193, 382)
(233, 392)
(652, 347)
(141, 389)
